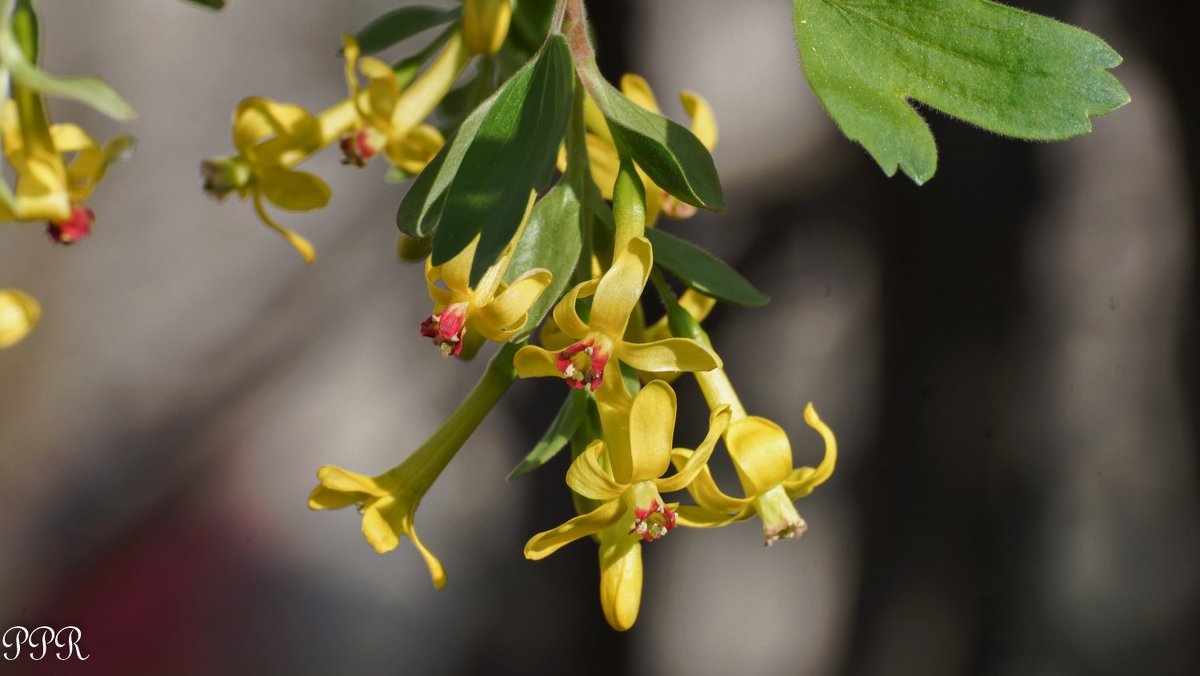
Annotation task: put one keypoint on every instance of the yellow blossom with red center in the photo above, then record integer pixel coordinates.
(601, 339)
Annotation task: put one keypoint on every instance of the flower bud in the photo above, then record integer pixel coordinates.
(225, 175)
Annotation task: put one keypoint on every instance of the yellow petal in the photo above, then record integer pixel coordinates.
(718, 420)
(412, 152)
(620, 288)
(301, 245)
(257, 118)
(509, 309)
(695, 516)
(547, 542)
(587, 478)
(620, 577)
(19, 313)
(566, 318)
(704, 123)
(603, 160)
(294, 190)
(594, 121)
(671, 354)
(697, 304)
(651, 430)
(552, 337)
(436, 573)
(456, 272)
(801, 484)
(703, 488)
(381, 529)
(638, 90)
(338, 479)
(532, 361)
(322, 497)
(761, 453)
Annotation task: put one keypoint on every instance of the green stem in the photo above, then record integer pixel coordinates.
(422, 468)
(714, 384)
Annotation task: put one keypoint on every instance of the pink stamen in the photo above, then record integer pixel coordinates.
(357, 149)
(653, 522)
(77, 226)
(582, 364)
(447, 328)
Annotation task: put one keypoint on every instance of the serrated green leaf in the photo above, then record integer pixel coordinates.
(399, 25)
(670, 155)
(1008, 71)
(552, 240)
(702, 271)
(562, 428)
(512, 153)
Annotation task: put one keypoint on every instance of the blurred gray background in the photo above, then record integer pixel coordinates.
(1006, 354)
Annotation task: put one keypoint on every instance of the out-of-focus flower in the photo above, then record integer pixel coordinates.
(391, 118)
(624, 471)
(614, 297)
(388, 504)
(271, 138)
(602, 153)
(762, 457)
(463, 316)
(19, 313)
(47, 187)
(485, 24)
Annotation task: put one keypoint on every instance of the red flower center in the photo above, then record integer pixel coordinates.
(357, 149)
(582, 364)
(653, 522)
(77, 226)
(447, 328)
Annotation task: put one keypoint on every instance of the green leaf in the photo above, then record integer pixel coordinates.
(421, 208)
(401, 24)
(89, 90)
(669, 154)
(552, 240)
(512, 153)
(556, 437)
(1008, 71)
(213, 4)
(703, 271)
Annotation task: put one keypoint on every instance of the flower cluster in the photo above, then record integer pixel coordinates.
(55, 166)
(627, 470)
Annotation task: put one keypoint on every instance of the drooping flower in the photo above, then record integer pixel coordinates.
(390, 119)
(602, 338)
(762, 456)
(387, 502)
(602, 153)
(48, 188)
(19, 313)
(271, 138)
(463, 316)
(624, 470)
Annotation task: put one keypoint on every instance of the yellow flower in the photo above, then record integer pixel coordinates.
(48, 189)
(388, 504)
(624, 470)
(271, 138)
(19, 313)
(463, 316)
(620, 576)
(614, 297)
(390, 119)
(762, 457)
(602, 154)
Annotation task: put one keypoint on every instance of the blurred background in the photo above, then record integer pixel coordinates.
(1007, 356)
